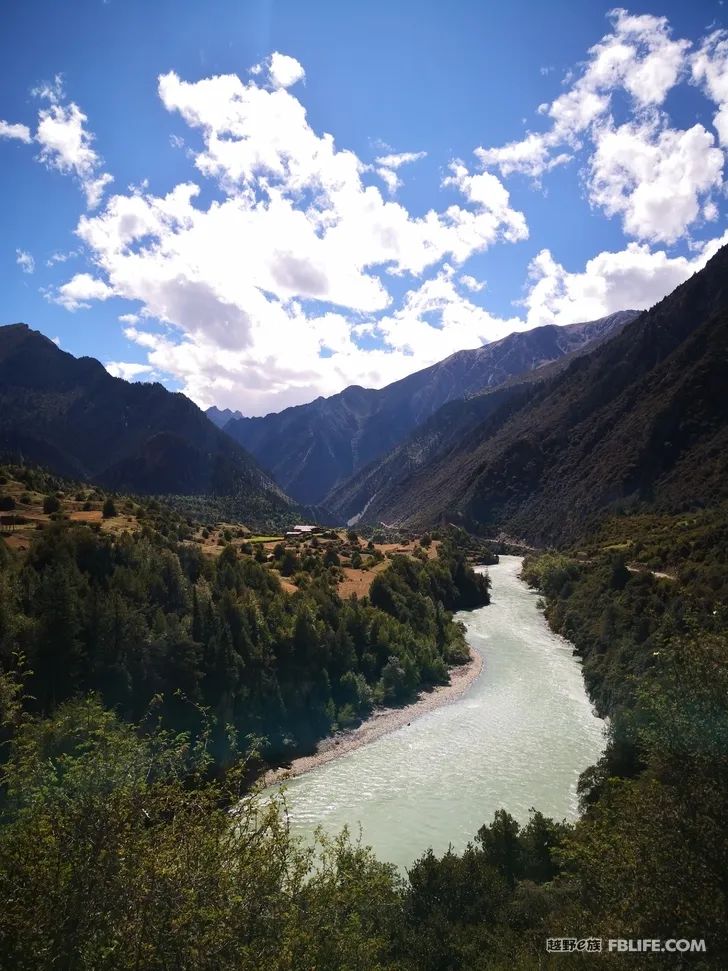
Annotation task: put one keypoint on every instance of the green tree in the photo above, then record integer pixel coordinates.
(117, 853)
(51, 504)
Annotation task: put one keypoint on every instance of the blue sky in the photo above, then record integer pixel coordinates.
(258, 202)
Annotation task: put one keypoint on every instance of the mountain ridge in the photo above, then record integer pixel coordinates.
(639, 419)
(443, 429)
(310, 449)
(70, 414)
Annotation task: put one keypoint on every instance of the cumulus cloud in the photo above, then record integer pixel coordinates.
(709, 66)
(470, 283)
(635, 278)
(267, 278)
(654, 176)
(532, 156)
(280, 70)
(460, 323)
(639, 56)
(267, 292)
(66, 146)
(25, 261)
(76, 293)
(19, 132)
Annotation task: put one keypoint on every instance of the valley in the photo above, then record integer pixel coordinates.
(519, 736)
(508, 720)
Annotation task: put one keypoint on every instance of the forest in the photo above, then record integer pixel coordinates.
(146, 616)
(144, 679)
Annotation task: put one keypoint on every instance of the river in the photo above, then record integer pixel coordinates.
(519, 737)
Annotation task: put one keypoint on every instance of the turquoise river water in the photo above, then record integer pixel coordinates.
(518, 737)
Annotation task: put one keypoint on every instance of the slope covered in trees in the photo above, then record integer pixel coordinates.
(133, 615)
(118, 851)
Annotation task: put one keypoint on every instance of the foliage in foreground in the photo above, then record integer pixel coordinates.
(117, 852)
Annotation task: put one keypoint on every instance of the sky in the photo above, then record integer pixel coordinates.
(257, 202)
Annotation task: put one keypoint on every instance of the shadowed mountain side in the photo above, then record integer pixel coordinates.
(640, 419)
(71, 415)
(312, 448)
(374, 487)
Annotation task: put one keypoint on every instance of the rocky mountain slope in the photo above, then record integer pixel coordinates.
(312, 448)
(641, 419)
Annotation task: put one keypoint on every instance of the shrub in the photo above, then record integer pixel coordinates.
(51, 504)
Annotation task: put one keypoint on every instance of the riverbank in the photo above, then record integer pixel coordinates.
(381, 722)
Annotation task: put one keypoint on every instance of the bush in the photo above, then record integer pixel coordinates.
(108, 510)
(51, 504)
(119, 853)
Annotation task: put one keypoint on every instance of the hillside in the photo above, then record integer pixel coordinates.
(374, 486)
(72, 416)
(311, 449)
(640, 420)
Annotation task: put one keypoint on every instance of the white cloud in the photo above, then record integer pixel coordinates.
(654, 177)
(60, 257)
(710, 70)
(129, 370)
(281, 287)
(20, 132)
(280, 70)
(491, 196)
(531, 156)
(386, 167)
(396, 161)
(459, 322)
(25, 261)
(470, 283)
(81, 288)
(66, 144)
(249, 284)
(639, 56)
(635, 278)
(51, 91)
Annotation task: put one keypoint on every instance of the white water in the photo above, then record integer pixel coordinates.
(519, 737)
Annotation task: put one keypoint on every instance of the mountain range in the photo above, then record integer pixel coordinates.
(72, 416)
(312, 449)
(539, 434)
(639, 420)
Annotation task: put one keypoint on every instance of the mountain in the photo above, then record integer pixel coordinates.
(641, 420)
(374, 486)
(72, 416)
(312, 448)
(221, 416)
